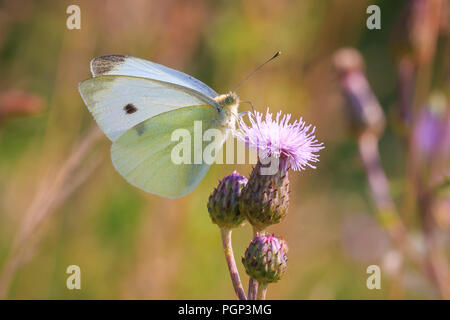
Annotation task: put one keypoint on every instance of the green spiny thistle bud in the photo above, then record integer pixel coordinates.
(223, 204)
(265, 259)
(265, 198)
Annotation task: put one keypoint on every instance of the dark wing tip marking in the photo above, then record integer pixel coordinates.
(103, 65)
(130, 108)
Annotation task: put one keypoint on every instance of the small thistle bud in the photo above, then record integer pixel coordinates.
(266, 258)
(223, 203)
(265, 198)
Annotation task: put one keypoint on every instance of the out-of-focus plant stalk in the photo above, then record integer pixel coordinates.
(437, 163)
(419, 30)
(435, 260)
(229, 256)
(368, 122)
(49, 196)
(379, 185)
(405, 87)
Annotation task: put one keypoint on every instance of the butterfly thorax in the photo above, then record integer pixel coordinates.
(229, 103)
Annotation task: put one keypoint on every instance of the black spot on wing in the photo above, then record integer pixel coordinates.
(102, 65)
(130, 108)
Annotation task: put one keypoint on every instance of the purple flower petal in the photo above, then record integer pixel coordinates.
(294, 143)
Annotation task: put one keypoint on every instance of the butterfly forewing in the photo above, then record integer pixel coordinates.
(136, 67)
(139, 105)
(120, 102)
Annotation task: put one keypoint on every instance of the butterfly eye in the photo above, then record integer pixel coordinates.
(229, 100)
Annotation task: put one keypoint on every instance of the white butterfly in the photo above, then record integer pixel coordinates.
(138, 104)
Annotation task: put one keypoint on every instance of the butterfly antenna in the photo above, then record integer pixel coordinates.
(254, 71)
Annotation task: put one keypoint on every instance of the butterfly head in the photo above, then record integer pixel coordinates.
(228, 100)
(229, 103)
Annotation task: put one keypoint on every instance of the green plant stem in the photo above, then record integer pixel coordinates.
(262, 290)
(229, 256)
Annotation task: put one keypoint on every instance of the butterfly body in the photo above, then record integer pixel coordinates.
(139, 105)
(229, 103)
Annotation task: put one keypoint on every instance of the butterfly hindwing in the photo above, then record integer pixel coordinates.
(144, 154)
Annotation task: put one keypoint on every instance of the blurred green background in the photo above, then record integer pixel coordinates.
(132, 245)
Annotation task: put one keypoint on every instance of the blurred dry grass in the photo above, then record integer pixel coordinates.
(133, 245)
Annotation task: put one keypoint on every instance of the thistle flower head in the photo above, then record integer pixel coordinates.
(223, 203)
(293, 143)
(265, 259)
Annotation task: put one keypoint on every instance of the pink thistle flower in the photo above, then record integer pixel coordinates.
(293, 143)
